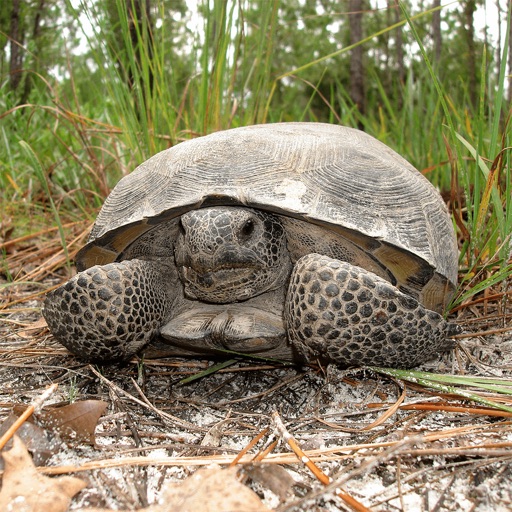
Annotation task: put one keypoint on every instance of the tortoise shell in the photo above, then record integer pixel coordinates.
(334, 177)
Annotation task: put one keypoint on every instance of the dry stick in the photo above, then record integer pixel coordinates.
(320, 475)
(453, 408)
(146, 405)
(52, 265)
(390, 448)
(270, 448)
(33, 407)
(284, 382)
(244, 450)
(280, 458)
(481, 333)
(381, 457)
(24, 238)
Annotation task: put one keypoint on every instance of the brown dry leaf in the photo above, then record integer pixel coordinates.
(211, 490)
(25, 490)
(40, 445)
(6, 230)
(207, 490)
(76, 421)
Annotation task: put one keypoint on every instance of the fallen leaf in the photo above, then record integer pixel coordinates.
(207, 490)
(273, 477)
(6, 230)
(211, 490)
(76, 421)
(25, 490)
(39, 443)
(214, 436)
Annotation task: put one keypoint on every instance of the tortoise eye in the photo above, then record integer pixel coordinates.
(248, 228)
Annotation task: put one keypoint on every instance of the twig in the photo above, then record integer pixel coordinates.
(37, 234)
(319, 474)
(381, 419)
(33, 407)
(244, 450)
(288, 458)
(450, 408)
(146, 404)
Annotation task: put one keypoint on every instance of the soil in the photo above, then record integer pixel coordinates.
(430, 454)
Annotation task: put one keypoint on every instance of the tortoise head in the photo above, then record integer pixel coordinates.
(228, 254)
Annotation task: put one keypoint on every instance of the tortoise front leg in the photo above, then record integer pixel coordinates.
(338, 312)
(110, 312)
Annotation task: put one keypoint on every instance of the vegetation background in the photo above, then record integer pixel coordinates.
(91, 88)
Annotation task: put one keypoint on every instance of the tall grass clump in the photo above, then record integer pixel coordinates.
(154, 104)
(481, 179)
(132, 93)
(128, 95)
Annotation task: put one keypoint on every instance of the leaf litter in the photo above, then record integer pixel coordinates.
(267, 435)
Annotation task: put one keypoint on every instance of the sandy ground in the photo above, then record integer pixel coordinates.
(422, 457)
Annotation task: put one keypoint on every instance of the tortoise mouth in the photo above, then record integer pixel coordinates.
(223, 284)
(204, 268)
(209, 277)
(227, 257)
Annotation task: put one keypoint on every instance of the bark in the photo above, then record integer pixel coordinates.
(387, 50)
(469, 29)
(16, 38)
(509, 7)
(498, 39)
(399, 49)
(436, 32)
(36, 30)
(357, 92)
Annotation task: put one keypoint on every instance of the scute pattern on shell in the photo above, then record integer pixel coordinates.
(281, 239)
(330, 175)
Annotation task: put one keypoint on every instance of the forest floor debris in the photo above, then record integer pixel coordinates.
(377, 443)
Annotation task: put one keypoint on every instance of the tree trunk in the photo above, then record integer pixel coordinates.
(509, 7)
(498, 39)
(469, 28)
(16, 38)
(356, 59)
(399, 51)
(36, 29)
(388, 77)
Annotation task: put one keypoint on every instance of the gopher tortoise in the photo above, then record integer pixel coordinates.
(298, 241)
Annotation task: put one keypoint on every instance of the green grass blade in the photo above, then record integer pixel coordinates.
(211, 369)
(441, 383)
(41, 176)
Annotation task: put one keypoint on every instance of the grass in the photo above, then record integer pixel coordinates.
(487, 224)
(66, 149)
(62, 153)
(456, 385)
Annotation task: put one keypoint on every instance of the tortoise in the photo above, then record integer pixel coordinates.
(297, 241)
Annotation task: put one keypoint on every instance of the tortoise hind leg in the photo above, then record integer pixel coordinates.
(109, 312)
(344, 314)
